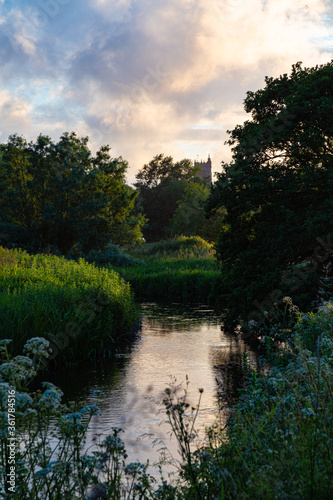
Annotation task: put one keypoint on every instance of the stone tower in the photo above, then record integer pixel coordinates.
(206, 169)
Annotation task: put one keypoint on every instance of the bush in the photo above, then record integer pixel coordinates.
(111, 255)
(279, 437)
(178, 270)
(193, 244)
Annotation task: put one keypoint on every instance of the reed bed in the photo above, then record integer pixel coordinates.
(179, 270)
(83, 309)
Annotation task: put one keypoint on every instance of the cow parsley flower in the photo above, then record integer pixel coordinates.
(37, 346)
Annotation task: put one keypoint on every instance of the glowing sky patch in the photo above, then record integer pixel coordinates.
(149, 77)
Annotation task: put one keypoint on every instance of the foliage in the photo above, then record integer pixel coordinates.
(50, 460)
(190, 217)
(161, 184)
(194, 245)
(277, 189)
(161, 170)
(111, 255)
(80, 308)
(316, 329)
(58, 194)
(182, 269)
(278, 439)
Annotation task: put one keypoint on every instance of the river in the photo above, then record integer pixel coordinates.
(173, 343)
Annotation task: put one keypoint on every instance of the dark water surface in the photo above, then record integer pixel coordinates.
(173, 342)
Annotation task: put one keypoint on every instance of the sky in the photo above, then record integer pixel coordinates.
(149, 76)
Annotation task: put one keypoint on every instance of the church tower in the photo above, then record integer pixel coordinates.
(206, 169)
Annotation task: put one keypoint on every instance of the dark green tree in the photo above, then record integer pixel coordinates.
(190, 217)
(59, 195)
(277, 191)
(162, 183)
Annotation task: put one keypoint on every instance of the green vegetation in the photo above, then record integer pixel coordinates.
(110, 255)
(194, 245)
(272, 207)
(279, 437)
(181, 269)
(277, 442)
(58, 196)
(83, 310)
(163, 186)
(277, 192)
(190, 217)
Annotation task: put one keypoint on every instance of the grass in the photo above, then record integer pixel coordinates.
(182, 269)
(82, 309)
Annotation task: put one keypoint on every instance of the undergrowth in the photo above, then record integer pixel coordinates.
(193, 245)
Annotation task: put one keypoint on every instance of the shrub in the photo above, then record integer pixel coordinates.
(113, 256)
(192, 244)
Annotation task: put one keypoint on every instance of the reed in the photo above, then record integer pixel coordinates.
(81, 308)
(178, 270)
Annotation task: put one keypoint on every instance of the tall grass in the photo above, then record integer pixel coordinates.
(81, 308)
(182, 269)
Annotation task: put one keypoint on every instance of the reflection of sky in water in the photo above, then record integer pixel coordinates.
(173, 343)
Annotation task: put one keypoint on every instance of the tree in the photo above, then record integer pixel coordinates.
(161, 184)
(58, 194)
(277, 190)
(190, 218)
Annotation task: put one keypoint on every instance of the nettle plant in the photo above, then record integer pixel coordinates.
(50, 461)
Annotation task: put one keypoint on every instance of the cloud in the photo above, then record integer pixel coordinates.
(15, 112)
(150, 76)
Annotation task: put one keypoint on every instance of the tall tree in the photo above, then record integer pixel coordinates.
(277, 189)
(190, 216)
(162, 183)
(59, 194)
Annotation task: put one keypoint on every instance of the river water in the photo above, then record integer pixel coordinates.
(173, 343)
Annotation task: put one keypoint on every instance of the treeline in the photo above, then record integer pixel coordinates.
(58, 197)
(174, 198)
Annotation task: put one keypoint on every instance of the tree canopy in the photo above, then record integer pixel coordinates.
(190, 217)
(277, 190)
(60, 195)
(162, 183)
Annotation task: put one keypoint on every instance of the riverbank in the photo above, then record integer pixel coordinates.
(183, 269)
(277, 442)
(82, 310)
(279, 438)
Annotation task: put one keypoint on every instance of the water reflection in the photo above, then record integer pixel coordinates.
(174, 342)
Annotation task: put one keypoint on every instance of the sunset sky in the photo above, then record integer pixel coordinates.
(149, 76)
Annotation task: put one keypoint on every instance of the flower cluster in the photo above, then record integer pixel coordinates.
(37, 347)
